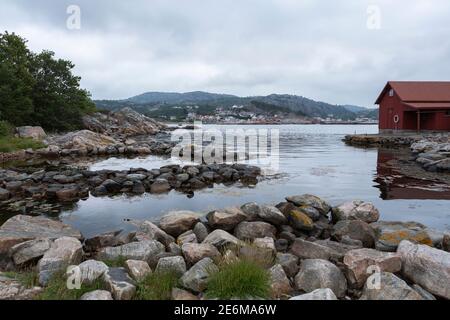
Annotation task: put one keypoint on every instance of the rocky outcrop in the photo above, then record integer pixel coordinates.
(125, 122)
(433, 153)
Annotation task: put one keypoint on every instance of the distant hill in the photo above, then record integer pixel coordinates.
(178, 106)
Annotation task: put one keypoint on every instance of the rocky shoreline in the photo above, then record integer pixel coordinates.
(44, 190)
(319, 252)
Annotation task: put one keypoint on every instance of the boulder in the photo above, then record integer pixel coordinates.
(200, 231)
(289, 262)
(387, 286)
(272, 215)
(137, 269)
(309, 200)
(361, 263)
(175, 265)
(160, 186)
(426, 266)
(266, 246)
(340, 248)
(194, 252)
(252, 210)
(317, 273)
(279, 282)
(143, 250)
(356, 210)
(251, 230)
(91, 270)
(22, 228)
(390, 234)
(423, 293)
(318, 294)
(119, 284)
(155, 233)
(97, 295)
(196, 278)
(29, 251)
(446, 242)
(311, 250)
(355, 229)
(220, 239)
(36, 133)
(108, 239)
(63, 252)
(225, 220)
(178, 222)
(4, 194)
(300, 220)
(187, 237)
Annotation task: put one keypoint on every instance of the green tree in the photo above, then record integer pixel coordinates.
(59, 103)
(38, 89)
(16, 82)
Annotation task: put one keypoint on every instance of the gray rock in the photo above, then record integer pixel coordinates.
(183, 295)
(196, 278)
(356, 210)
(427, 267)
(341, 248)
(251, 230)
(91, 270)
(220, 239)
(183, 177)
(97, 295)
(63, 252)
(272, 215)
(136, 177)
(174, 249)
(446, 242)
(317, 273)
(200, 231)
(109, 239)
(388, 287)
(119, 284)
(137, 269)
(312, 250)
(318, 294)
(178, 222)
(144, 251)
(279, 282)
(22, 228)
(194, 252)
(355, 229)
(389, 234)
(361, 263)
(29, 250)
(289, 262)
(300, 220)
(160, 186)
(36, 133)
(187, 237)
(155, 233)
(252, 210)
(225, 220)
(4, 194)
(312, 201)
(13, 289)
(177, 265)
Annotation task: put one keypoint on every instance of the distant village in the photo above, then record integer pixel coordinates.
(236, 115)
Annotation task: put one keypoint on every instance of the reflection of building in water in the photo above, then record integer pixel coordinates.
(393, 185)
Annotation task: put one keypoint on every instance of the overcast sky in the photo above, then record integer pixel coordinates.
(320, 49)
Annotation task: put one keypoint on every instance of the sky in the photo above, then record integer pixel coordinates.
(341, 52)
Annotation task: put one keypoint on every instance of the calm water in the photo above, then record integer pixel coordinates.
(313, 159)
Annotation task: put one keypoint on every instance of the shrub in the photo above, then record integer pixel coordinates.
(240, 278)
(6, 129)
(157, 286)
(11, 144)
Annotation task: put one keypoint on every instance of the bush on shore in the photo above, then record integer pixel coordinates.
(157, 286)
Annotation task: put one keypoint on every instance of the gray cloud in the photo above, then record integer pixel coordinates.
(319, 49)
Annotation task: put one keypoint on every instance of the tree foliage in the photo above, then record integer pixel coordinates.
(38, 89)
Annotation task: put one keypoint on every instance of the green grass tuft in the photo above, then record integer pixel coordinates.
(239, 279)
(11, 144)
(119, 262)
(28, 279)
(57, 289)
(157, 286)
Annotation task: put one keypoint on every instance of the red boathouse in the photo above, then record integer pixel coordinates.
(414, 106)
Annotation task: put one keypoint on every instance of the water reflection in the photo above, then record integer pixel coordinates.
(396, 185)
